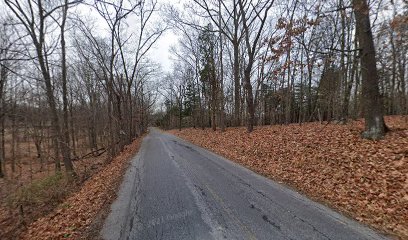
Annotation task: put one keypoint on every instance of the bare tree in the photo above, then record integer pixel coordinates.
(33, 16)
(114, 13)
(229, 26)
(252, 14)
(375, 127)
(65, 126)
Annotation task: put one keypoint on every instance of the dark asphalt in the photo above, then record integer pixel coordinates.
(176, 190)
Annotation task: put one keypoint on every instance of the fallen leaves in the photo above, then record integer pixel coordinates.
(365, 179)
(13, 218)
(77, 213)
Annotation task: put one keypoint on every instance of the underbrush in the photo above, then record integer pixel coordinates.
(80, 215)
(24, 200)
(49, 190)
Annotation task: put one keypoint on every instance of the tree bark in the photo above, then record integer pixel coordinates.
(237, 84)
(66, 152)
(249, 98)
(221, 89)
(180, 108)
(2, 146)
(251, 47)
(349, 85)
(3, 75)
(375, 127)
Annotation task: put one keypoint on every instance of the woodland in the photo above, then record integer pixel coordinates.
(79, 82)
(271, 62)
(76, 88)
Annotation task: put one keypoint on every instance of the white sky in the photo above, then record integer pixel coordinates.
(160, 53)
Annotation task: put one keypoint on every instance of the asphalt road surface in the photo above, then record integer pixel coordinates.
(176, 190)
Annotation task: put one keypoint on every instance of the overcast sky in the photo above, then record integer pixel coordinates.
(161, 52)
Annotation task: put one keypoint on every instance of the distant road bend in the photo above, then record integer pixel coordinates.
(176, 190)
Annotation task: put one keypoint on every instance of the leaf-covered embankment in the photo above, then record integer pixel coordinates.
(365, 179)
(84, 210)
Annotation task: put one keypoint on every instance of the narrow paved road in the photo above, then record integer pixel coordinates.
(176, 190)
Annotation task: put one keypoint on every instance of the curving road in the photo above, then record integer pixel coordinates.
(176, 190)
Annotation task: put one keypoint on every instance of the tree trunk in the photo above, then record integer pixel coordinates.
(214, 101)
(180, 109)
(2, 150)
(110, 90)
(66, 152)
(375, 127)
(56, 153)
(3, 72)
(221, 89)
(250, 98)
(38, 148)
(72, 127)
(349, 85)
(288, 98)
(13, 138)
(237, 86)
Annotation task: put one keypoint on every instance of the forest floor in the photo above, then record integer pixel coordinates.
(55, 208)
(330, 163)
